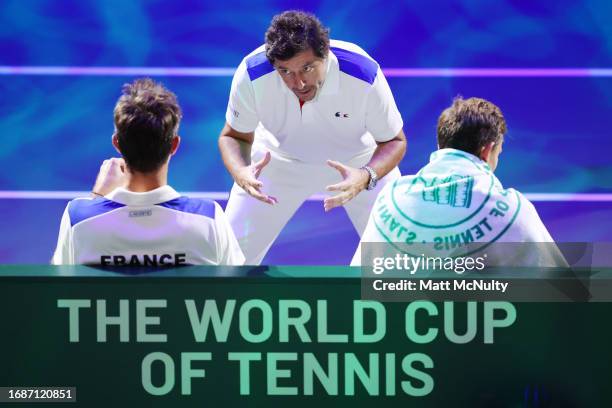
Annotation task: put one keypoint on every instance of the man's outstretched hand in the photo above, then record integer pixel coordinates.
(354, 181)
(247, 176)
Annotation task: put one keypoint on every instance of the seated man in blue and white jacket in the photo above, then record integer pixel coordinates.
(134, 217)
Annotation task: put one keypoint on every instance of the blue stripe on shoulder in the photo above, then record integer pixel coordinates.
(81, 210)
(192, 206)
(356, 65)
(258, 65)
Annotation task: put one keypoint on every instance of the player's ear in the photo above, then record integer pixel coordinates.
(176, 141)
(485, 151)
(116, 143)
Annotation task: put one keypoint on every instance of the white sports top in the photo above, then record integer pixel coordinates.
(353, 109)
(155, 228)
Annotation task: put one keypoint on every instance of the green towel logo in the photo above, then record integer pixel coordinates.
(454, 190)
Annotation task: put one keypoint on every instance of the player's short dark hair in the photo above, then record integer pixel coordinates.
(147, 117)
(470, 124)
(292, 32)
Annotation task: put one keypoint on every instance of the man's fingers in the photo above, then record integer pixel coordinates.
(263, 162)
(260, 196)
(258, 166)
(249, 180)
(338, 166)
(121, 163)
(331, 203)
(342, 186)
(253, 189)
(255, 193)
(248, 185)
(112, 175)
(255, 183)
(115, 164)
(336, 201)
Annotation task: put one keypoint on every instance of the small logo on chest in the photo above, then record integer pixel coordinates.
(341, 115)
(141, 213)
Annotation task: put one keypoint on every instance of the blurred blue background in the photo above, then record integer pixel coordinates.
(57, 128)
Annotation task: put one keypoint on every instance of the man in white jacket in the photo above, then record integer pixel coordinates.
(134, 217)
(455, 205)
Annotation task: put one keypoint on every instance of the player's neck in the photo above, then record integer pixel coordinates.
(143, 182)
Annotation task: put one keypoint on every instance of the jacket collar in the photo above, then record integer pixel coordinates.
(159, 195)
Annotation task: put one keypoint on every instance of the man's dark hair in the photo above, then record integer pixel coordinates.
(292, 32)
(147, 117)
(470, 124)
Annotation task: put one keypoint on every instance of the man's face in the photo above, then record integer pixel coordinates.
(303, 74)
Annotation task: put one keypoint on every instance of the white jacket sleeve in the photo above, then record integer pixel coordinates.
(241, 112)
(383, 119)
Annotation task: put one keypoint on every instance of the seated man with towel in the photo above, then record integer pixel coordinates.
(455, 205)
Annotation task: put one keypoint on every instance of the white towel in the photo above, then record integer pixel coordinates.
(457, 206)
